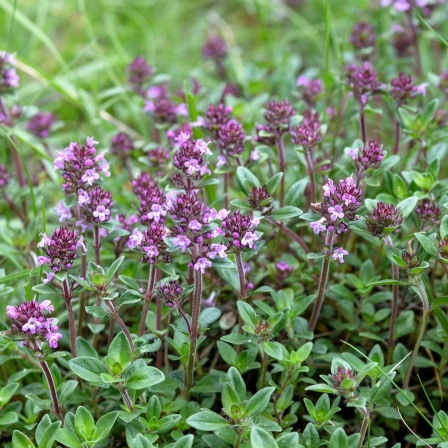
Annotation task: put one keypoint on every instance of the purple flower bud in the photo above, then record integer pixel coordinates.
(40, 124)
(99, 206)
(362, 81)
(214, 48)
(171, 292)
(138, 72)
(216, 117)
(8, 75)
(403, 88)
(278, 114)
(363, 38)
(310, 89)
(5, 179)
(428, 210)
(384, 218)
(121, 144)
(339, 380)
(307, 134)
(231, 137)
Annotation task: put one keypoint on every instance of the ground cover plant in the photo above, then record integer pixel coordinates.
(223, 224)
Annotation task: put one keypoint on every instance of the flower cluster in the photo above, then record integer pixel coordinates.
(278, 114)
(264, 135)
(340, 382)
(428, 210)
(214, 48)
(81, 166)
(189, 159)
(260, 199)
(96, 205)
(340, 202)
(308, 133)
(403, 88)
(369, 156)
(310, 89)
(61, 250)
(363, 39)
(171, 293)
(239, 230)
(30, 323)
(362, 81)
(152, 200)
(8, 75)
(384, 219)
(216, 117)
(138, 72)
(151, 243)
(121, 144)
(231, 137)
(402, 40)
(40, 124)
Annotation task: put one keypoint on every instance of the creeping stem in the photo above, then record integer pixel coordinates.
(364, 426)
(127, 398)
(362, 120)
(243, 290)
(281, 156)
(119, 320)
(322, 281)
(422, 330)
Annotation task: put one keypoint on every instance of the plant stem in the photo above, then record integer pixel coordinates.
(51, 386)
(418, 59)
(363, 429)
(394, 313)
(82, 299)
(310, 167)
(277, 398)
(185, 318)
(196, 306)
(362, 120)
(322, 282)
(127, 399)
(119, 320)
(243, 290)
(96, 248)
(67, 295)
(421, 332)
(147, 300)
(239, 438)
(281, 156)
(397, 137)
(264, 367)
(158, 328)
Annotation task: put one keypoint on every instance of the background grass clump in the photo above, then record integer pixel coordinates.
(223, 224)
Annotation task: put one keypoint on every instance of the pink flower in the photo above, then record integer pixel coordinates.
(46, 305)
(194, 224)
(339, 253)
(83, 197)
(222, 160)
(42, 260)
(329, 188)
(217, 249)
(203, 147)
(80, 243)
(32, 325)
(63, 212)
(302, 81)
(249, 239)
(48, 278)
(102, 213)
(53, 338)
(90, 176)
(135, 239)
(336, 212)
(318, 226)
(45, 240)
(201, 264)
(11, 312)
(182, 241)
(254, 155)
(181, 138)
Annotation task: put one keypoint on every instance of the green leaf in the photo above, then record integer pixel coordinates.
(382, 389)
(128, 297)
(247, 313)
(310, 437)
(240, 203)
(105, 424)
(237, 382)
(96, 311)
(207, 420)
(246, 177)
(49, 435)
(208, 316)
(88, 368)
(184, 442)
(81, 282)
(43, 404)
(338, 439)
(302, 353)
(273, 183)
(260, 437)
(387, 282)
(84, 423)
(145, 377)
(7, 392)
(113, 269)
(8, 418)
(120, 350)
(399, 186)
(229, 397)
(324, 388)
(67, 389)
(286, 212)
(235, 338)
(406, 206)
(258, 402)
(273, 349)
(228, 354)
(444, 227)
(315, 256)
(295, 192)
(68, 439)
(427, 243)
(20, 440)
